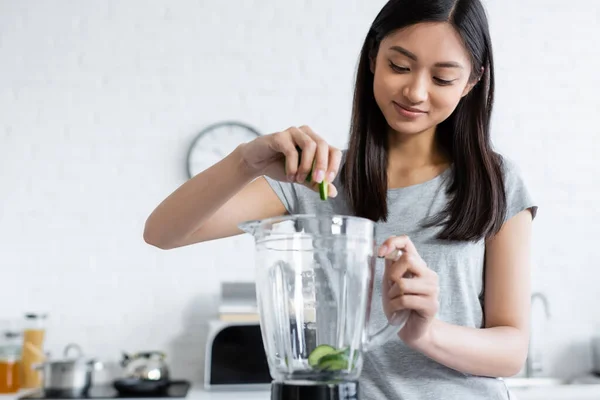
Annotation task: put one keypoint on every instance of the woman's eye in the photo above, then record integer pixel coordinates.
(398, 68)
(443, 82)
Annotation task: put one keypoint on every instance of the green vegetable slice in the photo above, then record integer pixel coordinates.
(318, 353)
(323, 185)
(333, 362)
(327, 358)
(324, 190)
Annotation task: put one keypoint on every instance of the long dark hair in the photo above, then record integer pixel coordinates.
(477, 196)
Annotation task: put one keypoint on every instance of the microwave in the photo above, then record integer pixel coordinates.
(235, 357)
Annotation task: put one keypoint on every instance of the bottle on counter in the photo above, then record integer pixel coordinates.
(11, 341)
(32, 352)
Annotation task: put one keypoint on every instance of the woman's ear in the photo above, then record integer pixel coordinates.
(373, 51)
(469, 86)
(473, 82)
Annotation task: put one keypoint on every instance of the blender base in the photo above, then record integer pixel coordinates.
(347, 390)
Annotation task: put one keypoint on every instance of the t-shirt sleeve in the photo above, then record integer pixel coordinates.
(286, 192)
(518, 195)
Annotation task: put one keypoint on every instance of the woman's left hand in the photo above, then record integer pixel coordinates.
(408, 284)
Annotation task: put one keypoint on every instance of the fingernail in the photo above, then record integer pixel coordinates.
(320, 175)
(382, 250)
(330, 177)
(395, 255)
(300, 178)
(291, 178)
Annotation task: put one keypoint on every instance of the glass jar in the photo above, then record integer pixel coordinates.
(33, 350)
(314, 282)
(11, 340)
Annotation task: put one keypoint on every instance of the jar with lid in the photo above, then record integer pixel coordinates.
(32, 352)
(11, 340)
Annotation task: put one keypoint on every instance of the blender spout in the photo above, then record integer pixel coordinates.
(250, 227)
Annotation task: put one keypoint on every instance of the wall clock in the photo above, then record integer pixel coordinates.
(215, 142)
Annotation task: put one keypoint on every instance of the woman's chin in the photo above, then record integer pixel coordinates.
(409, 128)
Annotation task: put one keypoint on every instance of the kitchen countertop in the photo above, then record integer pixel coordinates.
(566, 392)
(196, 392)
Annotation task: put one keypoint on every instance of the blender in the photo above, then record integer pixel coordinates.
(314, 281)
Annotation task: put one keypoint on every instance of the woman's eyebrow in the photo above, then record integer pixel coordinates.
(412, 56)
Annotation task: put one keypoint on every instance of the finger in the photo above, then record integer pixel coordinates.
(424, 305)
(402, 243)
(412, 286)
(335, 158)
(308, 130)
(395, 271)
(394, 255)
(408, 266)
(283, 143)
(412, 266)
(308, 147)
(333, 192)
(321, 159)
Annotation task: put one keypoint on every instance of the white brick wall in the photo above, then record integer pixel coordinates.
(99, 101)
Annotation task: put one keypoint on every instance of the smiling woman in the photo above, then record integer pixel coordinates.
(415, 70)
(419, 163)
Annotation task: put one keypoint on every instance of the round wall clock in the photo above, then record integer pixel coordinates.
(215, 142)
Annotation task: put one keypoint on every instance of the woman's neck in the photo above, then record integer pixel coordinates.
(414, 158)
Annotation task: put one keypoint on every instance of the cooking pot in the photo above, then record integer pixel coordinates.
(71, 376)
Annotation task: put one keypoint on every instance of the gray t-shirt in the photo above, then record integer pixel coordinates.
(393, 371)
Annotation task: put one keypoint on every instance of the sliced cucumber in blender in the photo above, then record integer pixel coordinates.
(333, 362)
(318, 353)
(327, 358)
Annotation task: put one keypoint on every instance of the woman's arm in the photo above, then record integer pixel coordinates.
(500, 348)
(211, 204)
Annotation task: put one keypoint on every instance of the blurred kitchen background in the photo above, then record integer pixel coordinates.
(101, 100)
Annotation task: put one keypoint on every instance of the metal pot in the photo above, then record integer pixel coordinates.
(70, 376)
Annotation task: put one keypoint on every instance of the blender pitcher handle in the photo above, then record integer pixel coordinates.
(395, 323)
(390, 330)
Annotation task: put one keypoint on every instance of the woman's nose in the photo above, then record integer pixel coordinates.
(416, 90)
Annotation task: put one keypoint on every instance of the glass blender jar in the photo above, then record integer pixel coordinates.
(314, 280)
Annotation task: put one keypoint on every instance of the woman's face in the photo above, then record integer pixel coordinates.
(421, 73)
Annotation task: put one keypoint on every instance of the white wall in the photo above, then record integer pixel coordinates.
(99, 101)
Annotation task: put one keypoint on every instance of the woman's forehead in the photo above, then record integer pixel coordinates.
(429, 43)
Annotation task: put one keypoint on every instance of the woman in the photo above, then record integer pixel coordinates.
(420, 163)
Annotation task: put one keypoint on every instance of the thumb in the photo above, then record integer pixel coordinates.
(325, 189)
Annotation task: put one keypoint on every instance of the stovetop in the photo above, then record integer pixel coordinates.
(176, 389)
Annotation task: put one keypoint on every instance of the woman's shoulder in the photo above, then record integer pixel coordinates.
(518, 192)
(512, 174)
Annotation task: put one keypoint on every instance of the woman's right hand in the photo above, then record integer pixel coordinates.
(277, 156)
